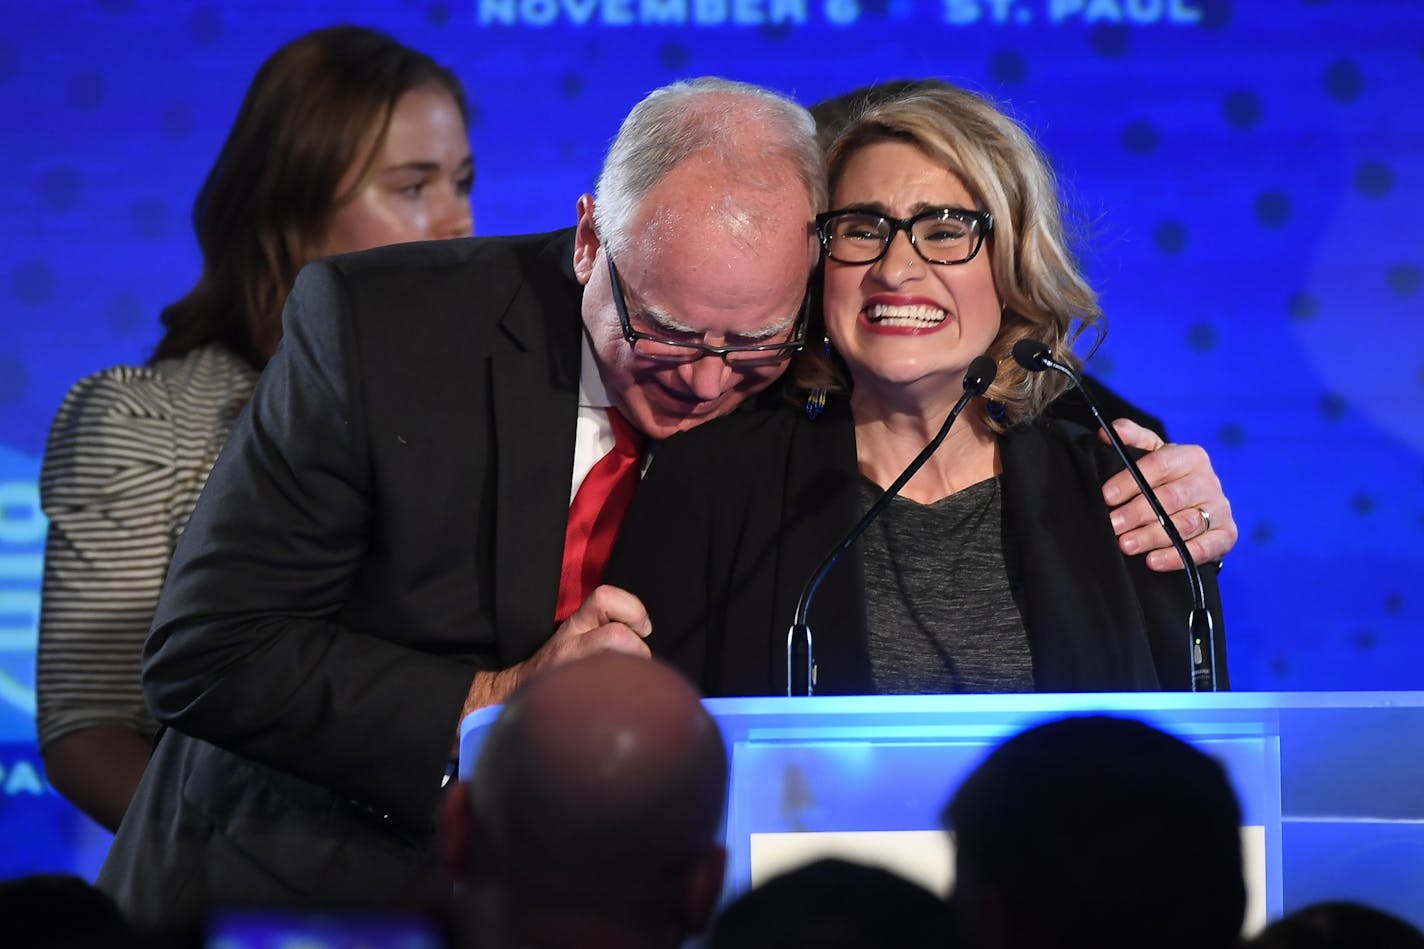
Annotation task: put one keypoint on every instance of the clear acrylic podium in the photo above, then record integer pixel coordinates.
(1331, 783)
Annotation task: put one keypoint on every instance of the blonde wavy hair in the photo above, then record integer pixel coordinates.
(1044, 293)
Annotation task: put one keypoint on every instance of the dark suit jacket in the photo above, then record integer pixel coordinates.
(732, 519)
(387, 517)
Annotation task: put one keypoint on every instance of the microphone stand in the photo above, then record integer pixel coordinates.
(1036, 357)
(977, 379)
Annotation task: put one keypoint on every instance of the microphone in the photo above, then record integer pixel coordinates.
(977, 378)
(1034, 356)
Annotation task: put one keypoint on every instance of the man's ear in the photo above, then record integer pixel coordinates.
(586, 242)
(703, 889)
(457, 827)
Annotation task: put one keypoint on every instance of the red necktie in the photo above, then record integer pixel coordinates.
(595, 514)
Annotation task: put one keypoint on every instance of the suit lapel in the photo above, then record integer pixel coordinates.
(534, 383)
(1084, 626)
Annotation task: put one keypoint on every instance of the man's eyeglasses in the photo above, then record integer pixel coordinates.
(939, 236)
(675, 352)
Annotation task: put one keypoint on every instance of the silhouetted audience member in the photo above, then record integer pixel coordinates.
(592, 817)
(833, 904)
(61, 911)
(1338, 925)
(1097, 832)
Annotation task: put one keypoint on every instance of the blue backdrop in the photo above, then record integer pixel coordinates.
(1251, 176)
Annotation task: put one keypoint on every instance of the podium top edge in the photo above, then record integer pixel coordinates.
(1067, 703)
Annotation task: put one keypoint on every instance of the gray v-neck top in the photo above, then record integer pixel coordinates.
(940, 596)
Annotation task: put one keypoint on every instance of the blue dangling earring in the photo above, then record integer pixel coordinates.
(816, 398)
(815, 402)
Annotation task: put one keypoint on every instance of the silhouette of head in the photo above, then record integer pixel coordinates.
(597, 800)
(833, 904)
(1098, 831)
(1338, 925)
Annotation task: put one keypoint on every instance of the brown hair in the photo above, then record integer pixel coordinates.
(264, 209)
(1045, 295)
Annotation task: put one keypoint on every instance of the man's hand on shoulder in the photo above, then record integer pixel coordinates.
(1190, 493)
(610, 620)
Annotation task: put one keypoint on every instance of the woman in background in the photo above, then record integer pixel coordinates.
(996, 570)
(346, 140)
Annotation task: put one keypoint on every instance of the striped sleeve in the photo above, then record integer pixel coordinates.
(128, 454)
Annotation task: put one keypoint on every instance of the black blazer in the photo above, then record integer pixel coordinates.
(733, 517)
(386, 518)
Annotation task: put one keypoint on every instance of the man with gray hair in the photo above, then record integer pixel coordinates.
(591, 819)
(388, 541)
(412, 513)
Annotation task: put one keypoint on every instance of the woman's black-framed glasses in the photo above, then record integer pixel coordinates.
(677, 352)
(939, 235)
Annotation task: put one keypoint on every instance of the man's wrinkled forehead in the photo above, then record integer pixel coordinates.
(758, 287)
(756, 219)
(665, 321)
